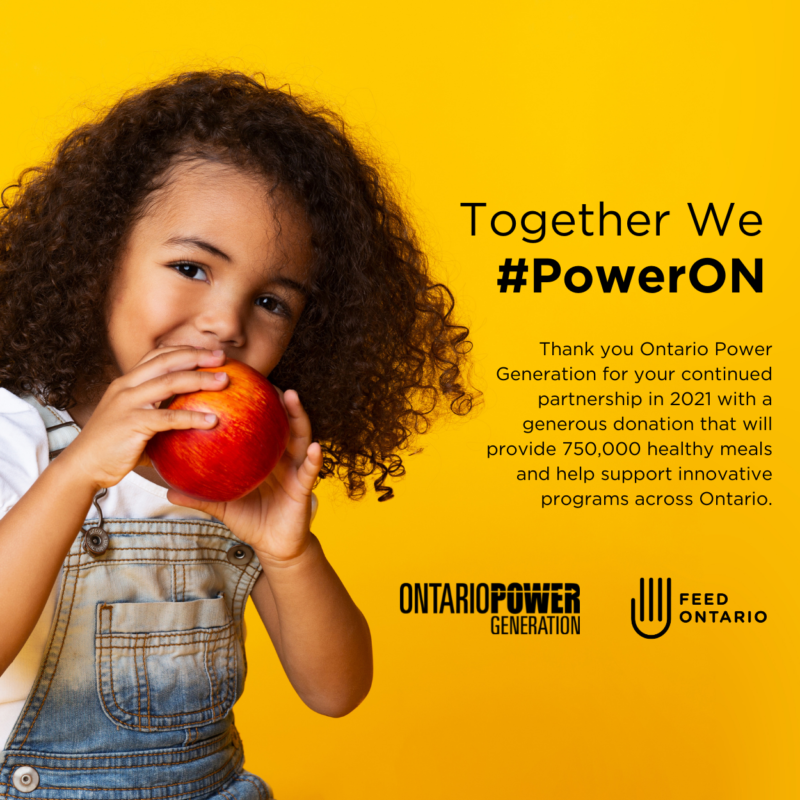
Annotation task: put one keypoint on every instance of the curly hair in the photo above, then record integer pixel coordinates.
(377, 332)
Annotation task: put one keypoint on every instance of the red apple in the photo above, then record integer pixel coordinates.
(236, 455)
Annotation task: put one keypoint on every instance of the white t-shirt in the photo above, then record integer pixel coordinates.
(24, 456)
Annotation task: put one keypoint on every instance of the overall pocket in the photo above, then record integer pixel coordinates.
(163, 666)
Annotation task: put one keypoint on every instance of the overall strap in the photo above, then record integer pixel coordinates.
(60, 433)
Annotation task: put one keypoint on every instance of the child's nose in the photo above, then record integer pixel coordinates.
(224, 322)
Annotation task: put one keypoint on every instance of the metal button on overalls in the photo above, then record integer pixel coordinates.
(240, 554)
(95, 541)
(25, 779)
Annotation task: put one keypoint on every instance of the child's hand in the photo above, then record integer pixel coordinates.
(274, 518)
(321, 637)
(112, 442)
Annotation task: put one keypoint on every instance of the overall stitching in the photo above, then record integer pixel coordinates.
(228, 640)
(161, 786)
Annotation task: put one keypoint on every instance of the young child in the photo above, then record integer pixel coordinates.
(205, 218)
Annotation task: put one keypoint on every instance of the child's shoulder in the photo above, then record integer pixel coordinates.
(18, 417)
(23, 447)
(20, 423)
(11, 404)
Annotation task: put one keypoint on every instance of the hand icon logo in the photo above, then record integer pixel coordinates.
(658, 604)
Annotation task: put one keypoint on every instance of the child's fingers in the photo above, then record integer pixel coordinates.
(164, 386)
(160, 351)
(299, 427)
(214, 509)
(298, 419)
(166, 360)
(173, 419)
(309, 469)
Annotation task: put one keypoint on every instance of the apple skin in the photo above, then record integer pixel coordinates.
(236, 455)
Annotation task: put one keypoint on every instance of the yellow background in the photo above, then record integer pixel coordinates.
(545, 106)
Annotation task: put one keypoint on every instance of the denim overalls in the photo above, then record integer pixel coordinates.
(144, 662)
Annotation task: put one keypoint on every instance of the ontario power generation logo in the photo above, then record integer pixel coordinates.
(551, 608)
(651, 617)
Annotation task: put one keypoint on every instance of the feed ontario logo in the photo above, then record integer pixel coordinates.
(551, 608)
(651, 605)
(655, 609)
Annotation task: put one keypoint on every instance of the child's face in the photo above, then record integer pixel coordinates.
(214, 264)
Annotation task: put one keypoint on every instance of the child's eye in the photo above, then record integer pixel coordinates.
(273, 305)
(189, 270)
